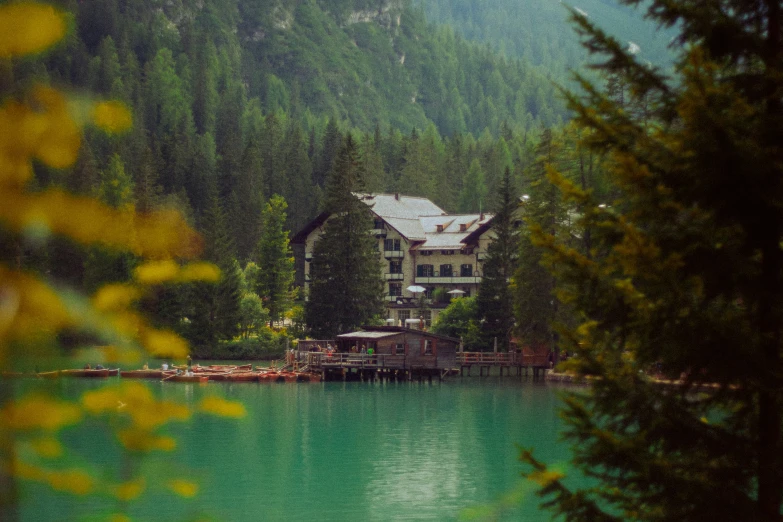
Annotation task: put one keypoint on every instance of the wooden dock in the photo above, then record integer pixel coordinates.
(364, 367)
(519, 363)
(360, 366)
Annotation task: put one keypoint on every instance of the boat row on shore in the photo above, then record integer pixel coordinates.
(199, 374)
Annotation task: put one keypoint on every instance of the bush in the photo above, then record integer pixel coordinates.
(266, 345)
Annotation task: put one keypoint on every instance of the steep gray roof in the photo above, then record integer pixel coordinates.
(399, 206)
(451, 237)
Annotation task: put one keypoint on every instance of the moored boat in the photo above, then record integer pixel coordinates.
(86, 372)
(235, 376)
(186, 378)
(142, 374)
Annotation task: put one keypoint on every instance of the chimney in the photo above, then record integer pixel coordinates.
(481, 217)
(397, 196)
(439, 228)
(463, 227)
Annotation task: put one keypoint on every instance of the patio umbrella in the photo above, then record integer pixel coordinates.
(456, 292)
(416, 289)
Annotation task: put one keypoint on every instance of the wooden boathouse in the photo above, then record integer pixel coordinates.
(395, 352)
(391, 352)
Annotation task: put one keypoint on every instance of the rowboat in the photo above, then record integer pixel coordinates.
(48, 375)
(142, 374)
(287, 377)
(268, 376)
(186, 378)
(244, 376)
(86, 373)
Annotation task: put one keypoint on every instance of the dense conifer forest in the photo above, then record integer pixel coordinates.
(235, 102)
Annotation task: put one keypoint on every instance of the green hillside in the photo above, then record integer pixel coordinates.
(538, 31)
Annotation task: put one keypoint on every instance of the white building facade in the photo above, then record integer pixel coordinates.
(419, 245)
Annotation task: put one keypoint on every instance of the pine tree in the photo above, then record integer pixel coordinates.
(474, 189)
(684, 275)
(495, 299)
(102, 264)
(346, 287)
(542, 209)
(215, 307)
(276, 275)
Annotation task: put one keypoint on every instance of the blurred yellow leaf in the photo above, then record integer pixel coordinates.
(200, 272)
(74, 481)
(221, 407)
(47, 447)
(184, 488)
(145, 441)
(156, 272)
(112, 116)
(27, 28)
(87, 221)
(60, 141)
(128, 491)
(37, 411)
(164, 344)
(102, 400)
(115, 296)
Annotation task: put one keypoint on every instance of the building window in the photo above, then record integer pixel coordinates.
(426, 315)
(378, 224)
(447, 252)
(426, 252)
(395, 289)
(402, 316)
(466, 289)
(395, 267)
(427, 347)
(399, 349)
(391, 245)
(466, 270)
(445, 271)
(424, 270)
(428, 293)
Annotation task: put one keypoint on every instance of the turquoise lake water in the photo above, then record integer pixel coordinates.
(328, 451)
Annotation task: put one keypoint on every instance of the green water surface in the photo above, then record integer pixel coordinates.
(328, 451)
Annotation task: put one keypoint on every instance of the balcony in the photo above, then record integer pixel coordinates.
(393, 254)
(391, 298)
(481, 256)
(394, 277)
(453, 280)
(379, 232)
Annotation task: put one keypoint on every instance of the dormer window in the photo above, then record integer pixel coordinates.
(439, 228)
(463, 227)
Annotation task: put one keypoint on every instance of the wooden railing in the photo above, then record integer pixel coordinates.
(354, 360)
(502, 358)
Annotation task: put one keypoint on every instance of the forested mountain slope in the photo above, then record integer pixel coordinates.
(538, 31)
(363, 62)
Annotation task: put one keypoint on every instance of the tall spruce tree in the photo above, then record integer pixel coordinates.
(495, 299)
(345, 282)
(275, 279)
(685, 270)
(215, 313)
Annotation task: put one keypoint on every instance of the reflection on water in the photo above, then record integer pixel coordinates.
(332, 451)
